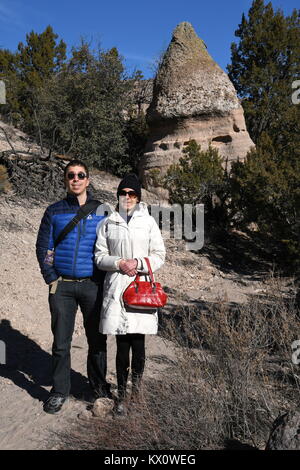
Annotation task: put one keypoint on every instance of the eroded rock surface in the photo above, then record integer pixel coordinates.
(193, 98)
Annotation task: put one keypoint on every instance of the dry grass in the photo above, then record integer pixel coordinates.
(233, 377)
(245, 361)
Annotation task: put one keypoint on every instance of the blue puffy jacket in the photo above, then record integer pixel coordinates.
(74, 256)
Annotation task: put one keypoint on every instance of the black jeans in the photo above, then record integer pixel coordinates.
(63, 307)
(136, 342)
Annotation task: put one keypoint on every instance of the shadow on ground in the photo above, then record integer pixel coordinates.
(28, 366)
(234, 444)
(246, 254)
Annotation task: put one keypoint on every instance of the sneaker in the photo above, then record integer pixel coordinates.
(54, 403)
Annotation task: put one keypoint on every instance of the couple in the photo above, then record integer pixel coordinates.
(95, 259)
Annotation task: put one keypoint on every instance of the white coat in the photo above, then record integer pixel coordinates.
(118, 240)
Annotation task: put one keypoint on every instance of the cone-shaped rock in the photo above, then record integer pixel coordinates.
(193, 98)
(189, 82)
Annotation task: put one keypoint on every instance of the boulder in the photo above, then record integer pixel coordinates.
(102, 407)
(193, 98)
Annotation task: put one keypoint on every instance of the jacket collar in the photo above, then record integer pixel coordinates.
(140, 210)
(73, 201)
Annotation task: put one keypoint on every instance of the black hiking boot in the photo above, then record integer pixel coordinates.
(54, 403)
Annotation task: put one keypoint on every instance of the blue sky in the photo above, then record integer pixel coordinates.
(140, 30)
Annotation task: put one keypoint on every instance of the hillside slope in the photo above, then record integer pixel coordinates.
(25, 320)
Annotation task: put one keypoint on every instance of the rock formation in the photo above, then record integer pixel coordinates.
(192, 99)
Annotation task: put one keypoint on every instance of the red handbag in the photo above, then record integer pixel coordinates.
(145, 295)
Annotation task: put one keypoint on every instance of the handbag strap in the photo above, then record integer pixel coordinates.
(137, 277)
(150, 270)
(84, 211)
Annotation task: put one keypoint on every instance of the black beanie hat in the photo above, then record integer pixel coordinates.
(130, 181)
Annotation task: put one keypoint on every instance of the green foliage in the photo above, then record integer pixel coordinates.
(154, 178)
(198, 178)
(80, 106)
(80, 109)
(40, 57)
(265, 62)
(8, 73)
(267, 191)
(26, 72)
(136, 132)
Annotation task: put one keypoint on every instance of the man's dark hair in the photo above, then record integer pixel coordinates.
(76, 163)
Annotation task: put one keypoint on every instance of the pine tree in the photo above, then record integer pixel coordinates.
(81, 109)
(40, 57)
(38, 60)
(8, 73)
(264, 65)
(267, 192)
(199, 178)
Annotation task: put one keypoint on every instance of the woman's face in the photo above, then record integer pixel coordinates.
(128, 199)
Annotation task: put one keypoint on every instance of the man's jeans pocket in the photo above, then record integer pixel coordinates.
(53, 286)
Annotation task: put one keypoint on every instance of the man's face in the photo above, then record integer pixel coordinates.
(75, 184)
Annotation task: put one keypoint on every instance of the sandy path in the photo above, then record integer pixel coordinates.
(25, 326)
(24, 424)
(25, 329)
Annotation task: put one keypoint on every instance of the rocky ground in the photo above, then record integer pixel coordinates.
(194, 278)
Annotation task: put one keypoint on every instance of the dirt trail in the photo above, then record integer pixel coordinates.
(25, 324)
(24, 425)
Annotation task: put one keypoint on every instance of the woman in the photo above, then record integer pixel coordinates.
(125, 237)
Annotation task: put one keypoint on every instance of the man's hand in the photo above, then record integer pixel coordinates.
(128, 266)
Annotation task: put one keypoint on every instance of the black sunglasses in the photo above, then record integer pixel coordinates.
(130, 193)
(80, 175)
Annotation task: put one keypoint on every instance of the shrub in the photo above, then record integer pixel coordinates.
(232, 375)
(199, 178)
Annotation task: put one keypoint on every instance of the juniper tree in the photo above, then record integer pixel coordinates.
(27, 71)
(199, 178)
(264, 64)
(81, 109)
(8, 73)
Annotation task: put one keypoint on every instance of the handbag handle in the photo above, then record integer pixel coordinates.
(150, 270)
(137, 277)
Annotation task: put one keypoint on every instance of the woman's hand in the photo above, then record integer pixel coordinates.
(128, 266)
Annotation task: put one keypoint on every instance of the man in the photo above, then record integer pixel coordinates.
(73, 281)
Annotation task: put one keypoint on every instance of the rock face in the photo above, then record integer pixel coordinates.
(192, 99)
(285, 434)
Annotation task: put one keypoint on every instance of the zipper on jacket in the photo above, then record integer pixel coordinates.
(84, 225)
(76, 248)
